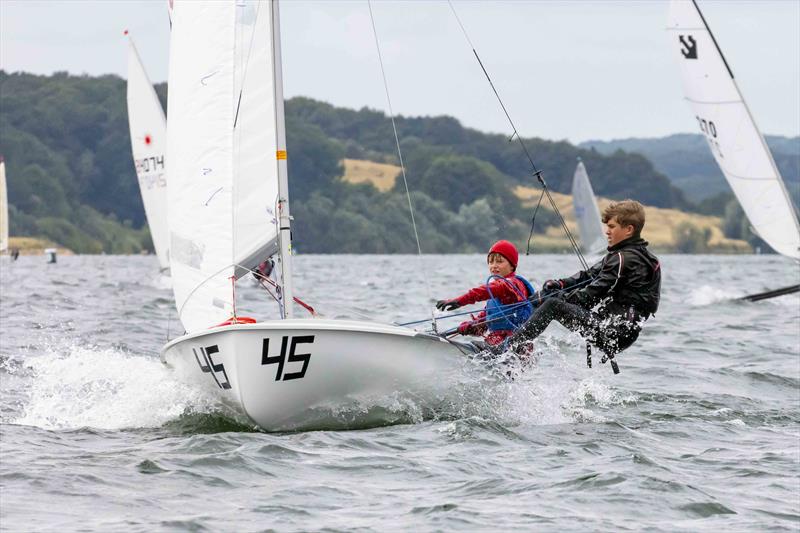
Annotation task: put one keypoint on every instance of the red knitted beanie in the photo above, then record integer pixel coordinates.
(507, 250)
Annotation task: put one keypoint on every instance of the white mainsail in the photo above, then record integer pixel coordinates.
(732, 135)
(590, 226)
(223, 142)
(148, 128)
(3, 208)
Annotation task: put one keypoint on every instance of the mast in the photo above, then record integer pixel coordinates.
(284, 216)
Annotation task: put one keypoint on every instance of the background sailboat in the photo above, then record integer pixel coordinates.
(148, 128)
(590, 225)
(732, 135)
(3, 208)
(229, 210)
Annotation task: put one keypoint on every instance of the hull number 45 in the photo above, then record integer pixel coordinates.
(290, 356)
(207, 353)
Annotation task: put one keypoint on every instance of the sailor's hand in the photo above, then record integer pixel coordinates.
(551, 286)
(447, 305)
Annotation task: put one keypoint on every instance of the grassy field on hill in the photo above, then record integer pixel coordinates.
(666, 229)
(35, 246)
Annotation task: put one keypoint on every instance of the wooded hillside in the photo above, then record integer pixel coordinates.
(71, 178)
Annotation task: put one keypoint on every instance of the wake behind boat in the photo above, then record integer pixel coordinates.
(229, 210)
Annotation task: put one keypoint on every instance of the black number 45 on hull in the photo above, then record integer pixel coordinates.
(293, 356)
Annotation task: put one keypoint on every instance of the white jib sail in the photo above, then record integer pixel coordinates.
(3, 208)
(732, 135)
(590, 226)
(148, 128)
(222, 150)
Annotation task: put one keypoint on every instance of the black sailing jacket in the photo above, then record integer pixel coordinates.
(629, 275)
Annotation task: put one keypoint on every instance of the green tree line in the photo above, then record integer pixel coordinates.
(71, 178)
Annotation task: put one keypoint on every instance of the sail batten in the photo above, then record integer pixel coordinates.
(730, 130)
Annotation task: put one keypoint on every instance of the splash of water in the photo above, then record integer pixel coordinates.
(72, 386)
(76, 386)
(707, 295)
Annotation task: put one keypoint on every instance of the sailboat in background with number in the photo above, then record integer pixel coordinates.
(148, 128)
(229, 210)
(3, 209)
(587, 214)
(732, 135)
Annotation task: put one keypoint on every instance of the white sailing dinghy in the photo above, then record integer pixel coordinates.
(3, 209)
(229, 210)
(732, 135)
(590, 225)
(148, 128)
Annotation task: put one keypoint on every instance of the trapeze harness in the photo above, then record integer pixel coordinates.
(500, 316)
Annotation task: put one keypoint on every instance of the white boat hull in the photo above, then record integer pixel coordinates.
(293, 374)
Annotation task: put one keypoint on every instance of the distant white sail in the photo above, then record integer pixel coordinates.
(223, 158)
(732, 135)
(148, 128)
(590, 226)
(3, 208)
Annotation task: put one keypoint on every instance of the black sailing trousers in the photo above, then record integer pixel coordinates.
(610, 333)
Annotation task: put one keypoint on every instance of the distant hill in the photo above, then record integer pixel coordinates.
(686, 160)
(367, 134)
(666, 229)
(71, 179)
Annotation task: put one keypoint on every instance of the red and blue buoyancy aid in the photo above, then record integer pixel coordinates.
(503, 317)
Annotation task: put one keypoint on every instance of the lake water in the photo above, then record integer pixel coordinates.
(699, 432)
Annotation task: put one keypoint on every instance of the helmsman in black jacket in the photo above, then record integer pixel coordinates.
(608, 302)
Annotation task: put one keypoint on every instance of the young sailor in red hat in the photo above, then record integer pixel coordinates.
(508, 294)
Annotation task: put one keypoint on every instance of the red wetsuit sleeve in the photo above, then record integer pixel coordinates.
(501, 289)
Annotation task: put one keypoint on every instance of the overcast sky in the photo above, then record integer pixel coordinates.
(573, 70)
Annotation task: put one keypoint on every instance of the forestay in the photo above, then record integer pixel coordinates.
(587, 213)
(732, 135)
(148, 128)
(222, 149)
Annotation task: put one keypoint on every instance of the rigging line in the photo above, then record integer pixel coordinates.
(570, 237)
(246, 63)
(536, 172)
(402, 164)
(533, 223)
(243, 66)
(515, 133)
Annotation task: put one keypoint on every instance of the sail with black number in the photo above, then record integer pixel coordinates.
(148, 128)
(729, 128)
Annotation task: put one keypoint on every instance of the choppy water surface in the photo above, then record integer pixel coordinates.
(700, 431)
